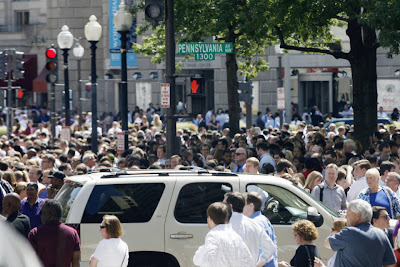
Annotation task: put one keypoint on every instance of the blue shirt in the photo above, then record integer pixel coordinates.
(239, 168)
(380, 199)
(362, 245)
(263, 221)
(33, 212)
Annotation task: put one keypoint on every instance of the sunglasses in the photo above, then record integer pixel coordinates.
(384, 216)
(238, 154)
(102, 226)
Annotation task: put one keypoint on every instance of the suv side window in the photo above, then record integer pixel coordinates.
(281, 206)
(194, 199)
(131, 203)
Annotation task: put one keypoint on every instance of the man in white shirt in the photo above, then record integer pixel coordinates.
(252, 234)
(360, 183)
(393, 181)
(114, 129)
(382, 114)
(223, 247)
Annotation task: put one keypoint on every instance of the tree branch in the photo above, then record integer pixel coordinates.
(341, 18)
(335, 54)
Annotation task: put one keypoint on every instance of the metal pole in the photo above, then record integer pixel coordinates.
(123, 88)
(66, 87)
(172, 146)
(94, 96)
(79, 94)
(53, 113)
(288, 89)
(280, 84)
(9, 110)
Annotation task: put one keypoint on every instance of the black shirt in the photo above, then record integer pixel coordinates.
(302, 259)
(20, 222)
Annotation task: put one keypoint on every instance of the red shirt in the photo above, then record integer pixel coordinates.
(54, 243)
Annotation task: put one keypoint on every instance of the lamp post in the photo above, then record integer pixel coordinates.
(93, 32)
(78, 52)
(65, 39)
(123, 22)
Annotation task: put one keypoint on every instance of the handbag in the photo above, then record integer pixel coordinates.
(310, 261)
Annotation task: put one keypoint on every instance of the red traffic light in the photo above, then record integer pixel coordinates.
(51, 53)
(20, 94)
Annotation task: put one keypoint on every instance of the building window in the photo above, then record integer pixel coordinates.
(22, 18)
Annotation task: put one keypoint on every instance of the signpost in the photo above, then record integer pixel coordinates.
(165, 95)
(120, 142)
(205, 51)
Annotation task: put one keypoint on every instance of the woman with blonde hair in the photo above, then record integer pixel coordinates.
(20, 176)
(313, 179)
(111, 251)
(20, 189)
(10, 178)
(157, 122)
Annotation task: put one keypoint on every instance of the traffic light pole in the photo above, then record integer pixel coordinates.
(172, 145)
(53, 112)
(9, 110)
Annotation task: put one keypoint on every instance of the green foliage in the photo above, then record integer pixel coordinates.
(243, 22)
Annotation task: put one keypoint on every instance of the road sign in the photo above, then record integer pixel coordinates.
(281, 98)
(120, 142)
(205, 51)
(165, 95)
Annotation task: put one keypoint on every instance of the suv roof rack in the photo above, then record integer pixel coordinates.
(166, 172)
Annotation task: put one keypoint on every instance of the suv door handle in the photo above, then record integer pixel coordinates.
(181, 236)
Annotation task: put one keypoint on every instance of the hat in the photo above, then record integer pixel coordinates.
(57, 174)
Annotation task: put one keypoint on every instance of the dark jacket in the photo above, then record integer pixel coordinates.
(20, 222)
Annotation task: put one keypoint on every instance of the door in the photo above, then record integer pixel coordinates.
(140, 206)
(186, 225)
(286, 204)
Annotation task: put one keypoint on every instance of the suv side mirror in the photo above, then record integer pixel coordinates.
(314, 216)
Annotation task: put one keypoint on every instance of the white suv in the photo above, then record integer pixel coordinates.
(163, 212)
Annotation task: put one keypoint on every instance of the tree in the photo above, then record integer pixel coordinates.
(304, 25)
(224, 21)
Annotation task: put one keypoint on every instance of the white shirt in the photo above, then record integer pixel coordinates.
(381, 183)
(223, 248)
(254, 237)
(114, 131)
(356, 188)
(112, 252)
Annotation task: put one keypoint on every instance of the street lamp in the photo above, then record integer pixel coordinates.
(78, 52)
(123, 22)
(93, 33)
(65, 39)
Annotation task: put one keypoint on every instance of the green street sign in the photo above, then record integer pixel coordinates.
(204, 56)
(205, 51)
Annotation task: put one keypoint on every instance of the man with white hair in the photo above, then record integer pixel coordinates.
(393, 181)
(361, 244)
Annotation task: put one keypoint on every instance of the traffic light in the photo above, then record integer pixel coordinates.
(20, 93)
(18, 65)
(3, 65)
(197, 86)
(246, 93)
(154, 10)
(52, 64)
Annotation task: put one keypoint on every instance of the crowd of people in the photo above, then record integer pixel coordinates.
(328, 163)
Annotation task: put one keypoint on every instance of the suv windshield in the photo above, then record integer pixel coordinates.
(66, 196)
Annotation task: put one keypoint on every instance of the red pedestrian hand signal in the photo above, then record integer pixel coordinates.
(194, 86)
